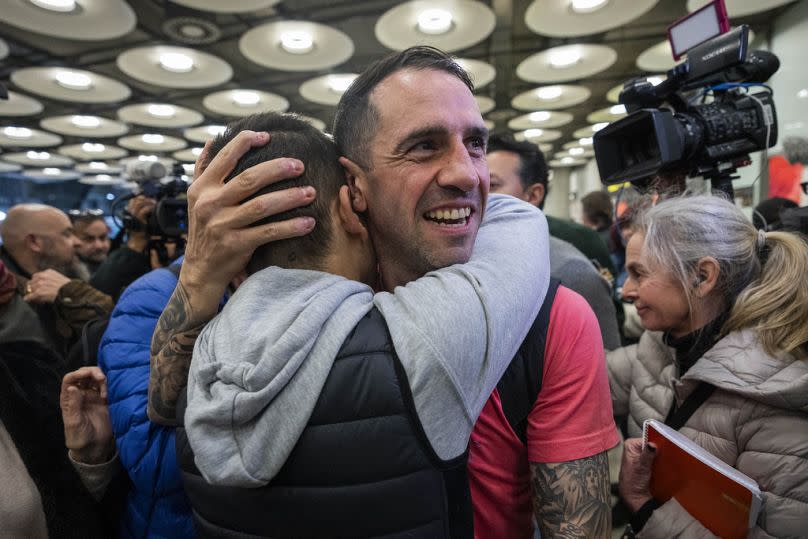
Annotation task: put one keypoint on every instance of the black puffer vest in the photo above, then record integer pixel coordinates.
(362, 467)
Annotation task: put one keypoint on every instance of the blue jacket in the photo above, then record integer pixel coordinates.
(157, 505)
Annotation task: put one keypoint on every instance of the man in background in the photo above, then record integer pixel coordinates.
(93, 235)
(519, 169)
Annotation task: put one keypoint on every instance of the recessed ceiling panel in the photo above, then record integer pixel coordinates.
(159, 115)
(551, 97)
(74, 85)
(449, 25)
(174, 67)
(296, 46)
(565, 18)
(221, 6)
(23, 137)
(19, 105)
(327, 89)
(91, 152)
(84, 126)
(566, 63)
(542, 119)
(86, 20)
(244, 102)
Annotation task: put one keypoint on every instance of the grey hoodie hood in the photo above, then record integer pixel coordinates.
(247, 359)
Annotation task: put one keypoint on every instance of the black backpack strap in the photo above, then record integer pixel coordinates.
(678, 415)
(519, 387)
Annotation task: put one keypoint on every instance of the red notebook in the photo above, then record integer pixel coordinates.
(724, 500)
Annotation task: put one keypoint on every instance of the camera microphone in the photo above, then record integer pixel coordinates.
(145, 171)
(759, 67)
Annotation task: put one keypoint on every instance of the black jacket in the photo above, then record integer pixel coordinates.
(362, 467)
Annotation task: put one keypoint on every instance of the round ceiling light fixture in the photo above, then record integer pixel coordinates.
(577, 151)
(153, 138)
(600, 125)
(103, 177)
(37, 156)
(98, 165)
(147, 157)
(245, 99)
(533, 133)
(297, 42)
(85, 121)
(587, 6)
(62, 6)
(585, 141)
(18, 132)
(51, 171)
(93, 147)
(565, 57)
(176, 62)
(539, 116)
(73, 80)
(434, 21)
(549, 93)
(567, 160)
(216, 130)
(196, 151)
(617, 109)
(340, 83)
(161, 111)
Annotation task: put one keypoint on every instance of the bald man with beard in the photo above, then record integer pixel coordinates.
(39, 247)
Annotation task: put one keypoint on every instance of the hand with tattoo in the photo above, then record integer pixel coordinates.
(572, 499)
(221, 239)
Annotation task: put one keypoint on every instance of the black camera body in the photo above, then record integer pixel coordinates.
(695, 139)
(169, 220)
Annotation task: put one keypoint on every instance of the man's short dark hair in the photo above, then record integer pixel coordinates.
(292, 137)
(533, 167)
(356, 119)
(598, 209)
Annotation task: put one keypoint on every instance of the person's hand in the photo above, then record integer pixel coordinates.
(88, 429)
(44, 286)
(635, 473)
(221, 232)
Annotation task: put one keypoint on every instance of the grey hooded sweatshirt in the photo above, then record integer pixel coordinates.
(258, 368)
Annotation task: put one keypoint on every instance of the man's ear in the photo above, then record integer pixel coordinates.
(357, 184)
(348, 218)
(535, 194)
(706, 276)
(33, 243)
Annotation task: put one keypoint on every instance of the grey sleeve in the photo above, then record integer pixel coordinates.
(580, 276)
(455, 330)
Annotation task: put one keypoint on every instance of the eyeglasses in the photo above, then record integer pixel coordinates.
(78, 215)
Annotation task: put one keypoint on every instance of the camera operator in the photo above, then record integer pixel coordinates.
(135, 257)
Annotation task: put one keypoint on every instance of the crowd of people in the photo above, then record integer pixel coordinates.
(381, 335)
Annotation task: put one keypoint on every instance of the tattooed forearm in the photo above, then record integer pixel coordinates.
(171, 350)
(571, 499)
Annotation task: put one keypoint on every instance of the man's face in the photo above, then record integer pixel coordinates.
(504, 167)
(94, 241)
(57, 242)
(428, 180)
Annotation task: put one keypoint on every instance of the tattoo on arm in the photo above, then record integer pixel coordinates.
(572, 499)
(171, 350)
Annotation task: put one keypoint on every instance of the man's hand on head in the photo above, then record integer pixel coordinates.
(221, 232)
(44, 286)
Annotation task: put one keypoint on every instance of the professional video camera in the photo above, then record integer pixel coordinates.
(170, 216)
(674, 128)
(168, 222)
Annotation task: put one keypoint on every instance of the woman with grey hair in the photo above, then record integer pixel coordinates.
(724, 360)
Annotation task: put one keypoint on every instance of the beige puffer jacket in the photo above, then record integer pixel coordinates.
(756, 421)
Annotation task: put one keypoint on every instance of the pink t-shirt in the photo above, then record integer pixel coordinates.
(571, 419)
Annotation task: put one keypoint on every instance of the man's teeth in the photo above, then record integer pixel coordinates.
(449, 215)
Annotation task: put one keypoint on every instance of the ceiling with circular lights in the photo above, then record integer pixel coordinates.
(95, 81)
